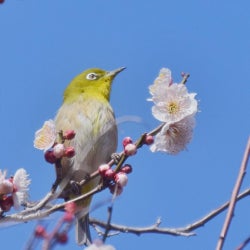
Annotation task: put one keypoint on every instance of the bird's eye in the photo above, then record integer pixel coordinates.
(91, 76)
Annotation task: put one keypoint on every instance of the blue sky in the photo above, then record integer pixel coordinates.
(44, 44)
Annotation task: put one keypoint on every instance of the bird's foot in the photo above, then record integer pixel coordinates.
(116, 157)
(75, 187)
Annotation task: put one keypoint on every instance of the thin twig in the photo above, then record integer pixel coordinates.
(244, 244)
(213, 213)
(139, 143)
(156, 130)
(233, 199)
(140, 230)
(110, 210)
(185, 78)
(184, 231)
(24, 217)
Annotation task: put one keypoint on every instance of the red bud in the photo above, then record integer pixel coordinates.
(69, 152)
(149, 139)
(68, 217)
(126, 169)
(69, 134)
(70, 207)
(49, 156)
(126, 141)
(40, 231)
(109, 174)
(102, 169)
(6, 203)
(62, 238)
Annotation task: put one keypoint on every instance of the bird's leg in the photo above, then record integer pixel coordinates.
(55, 185)
(76, 186)
(58, 168)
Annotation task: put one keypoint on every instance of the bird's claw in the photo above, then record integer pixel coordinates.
(76, 188)
(116, 157)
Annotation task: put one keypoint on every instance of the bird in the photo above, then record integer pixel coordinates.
(86, 110)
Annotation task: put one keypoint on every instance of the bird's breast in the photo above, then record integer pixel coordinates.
(96, 134)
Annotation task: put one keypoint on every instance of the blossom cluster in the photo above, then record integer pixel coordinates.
(13, 190)
(117, 179)
(45, 139)
(176, 108)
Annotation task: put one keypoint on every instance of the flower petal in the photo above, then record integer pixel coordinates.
(21, 183)
(46, 136)
(173, 138)
(172, 102)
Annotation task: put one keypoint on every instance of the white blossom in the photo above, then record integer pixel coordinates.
(173, 104)
(46, 136)
(21, 183)
(174, 137)
(163, 79)
(172, 101)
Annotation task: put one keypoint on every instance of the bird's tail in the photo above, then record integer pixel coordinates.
(83, 236)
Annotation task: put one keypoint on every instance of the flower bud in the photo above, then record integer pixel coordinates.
(49, 156)
(40, 231)
(121, 179)
(103, 168)
(69, 134)
(58, 150)
(6, 203)
(126, 141)
(69, 152)
(109, 174)
(149, 139)
(62, 237)
(127, 169)
(6, 187)
(70, 207)
(68, 217)
(130, 149)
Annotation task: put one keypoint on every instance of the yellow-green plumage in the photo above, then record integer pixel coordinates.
(97, 88)
(87, 111)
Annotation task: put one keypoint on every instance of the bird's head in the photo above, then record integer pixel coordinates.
(91, 83)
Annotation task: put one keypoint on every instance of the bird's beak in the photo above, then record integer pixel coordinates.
(113, 73)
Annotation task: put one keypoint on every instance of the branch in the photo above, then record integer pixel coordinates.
(214, 213)
(233, 199)
(140, 230)
(30, 214)
(244, 244)
(42, 208)
(184, 231)
(105, 235)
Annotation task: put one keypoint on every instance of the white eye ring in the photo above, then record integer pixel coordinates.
(91, 76)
